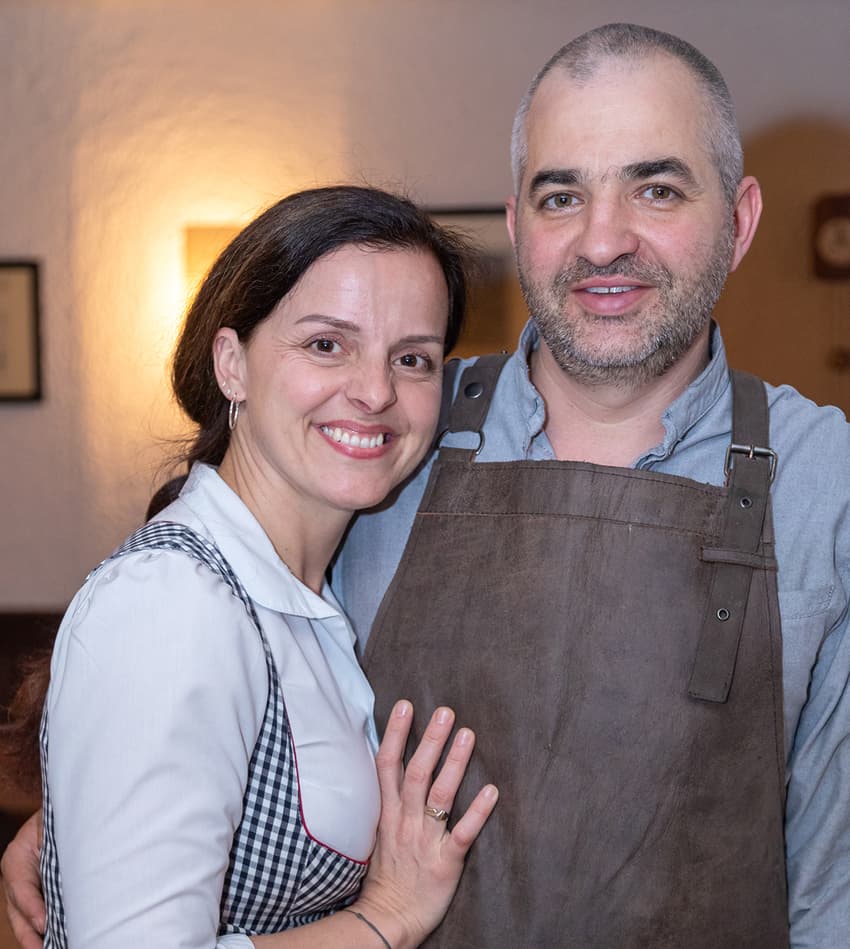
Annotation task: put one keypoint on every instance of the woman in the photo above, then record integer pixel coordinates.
(207, 743)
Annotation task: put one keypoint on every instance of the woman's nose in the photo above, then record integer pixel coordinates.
(371, 387)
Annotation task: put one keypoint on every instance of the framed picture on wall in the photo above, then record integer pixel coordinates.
(20, 357)
(497, 310)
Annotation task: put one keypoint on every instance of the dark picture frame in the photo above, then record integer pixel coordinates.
(497, 310)
(20, 344)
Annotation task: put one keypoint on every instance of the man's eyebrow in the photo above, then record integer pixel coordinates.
(555, 176)
(637, 171)
(658, 167)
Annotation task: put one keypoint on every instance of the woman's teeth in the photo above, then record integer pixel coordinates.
(349, 438)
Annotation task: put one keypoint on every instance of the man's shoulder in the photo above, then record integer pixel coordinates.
(812, 443)
(793, 415)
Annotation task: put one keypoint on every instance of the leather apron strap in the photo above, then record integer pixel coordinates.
(750, 467)
(467, 412)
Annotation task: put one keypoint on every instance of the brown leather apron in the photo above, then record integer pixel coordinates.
(612, 635)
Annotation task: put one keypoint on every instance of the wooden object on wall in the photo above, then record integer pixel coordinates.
(779, 319)
(831, 237)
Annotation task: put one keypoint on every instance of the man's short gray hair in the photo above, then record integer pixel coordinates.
(580, 59)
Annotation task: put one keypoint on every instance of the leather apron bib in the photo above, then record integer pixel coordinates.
(621, 665)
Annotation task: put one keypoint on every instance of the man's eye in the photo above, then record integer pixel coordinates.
(560, 200)
(659, 193)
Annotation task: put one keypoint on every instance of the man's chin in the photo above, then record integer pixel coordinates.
(631, 362)
(619, 346)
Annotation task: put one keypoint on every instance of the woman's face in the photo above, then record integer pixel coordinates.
(342, 382)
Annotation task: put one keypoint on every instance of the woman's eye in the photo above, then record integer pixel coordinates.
(327, 346)
(415, 361)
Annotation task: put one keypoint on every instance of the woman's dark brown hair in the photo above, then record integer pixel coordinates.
(265, 261)
(254, 272)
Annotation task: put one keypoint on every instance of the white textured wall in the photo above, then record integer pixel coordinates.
(123, 120)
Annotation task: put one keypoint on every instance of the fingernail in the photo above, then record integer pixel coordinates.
(443, 715)
(491, 792)
(464, 736)
(402, 709)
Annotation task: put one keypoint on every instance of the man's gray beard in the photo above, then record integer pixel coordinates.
(686, 305)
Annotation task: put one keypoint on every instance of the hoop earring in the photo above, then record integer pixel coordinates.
(233, 414)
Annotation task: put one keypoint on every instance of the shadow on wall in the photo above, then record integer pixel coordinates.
(779, 320)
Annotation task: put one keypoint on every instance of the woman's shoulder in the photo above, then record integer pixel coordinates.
(159, 626)
(164, 599)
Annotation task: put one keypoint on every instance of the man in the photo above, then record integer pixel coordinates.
(608, 621)
(591, 579)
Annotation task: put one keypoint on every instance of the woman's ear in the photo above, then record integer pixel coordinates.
(229, 360)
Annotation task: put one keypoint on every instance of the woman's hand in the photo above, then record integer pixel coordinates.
(415, 867)
(417, 862)
(22, 884)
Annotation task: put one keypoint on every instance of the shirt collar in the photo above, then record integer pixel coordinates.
(525, 396)
(681, 415)
(224, 517)
(699, 397)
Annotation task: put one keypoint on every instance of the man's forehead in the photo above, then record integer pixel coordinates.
(611, 68)
(625, 111)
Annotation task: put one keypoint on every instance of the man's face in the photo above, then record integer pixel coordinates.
(622, 235)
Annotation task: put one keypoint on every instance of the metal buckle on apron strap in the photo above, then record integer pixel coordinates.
(469, 409)
(751, 451)
(446, 431)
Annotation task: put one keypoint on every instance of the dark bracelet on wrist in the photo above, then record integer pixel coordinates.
(371, 926)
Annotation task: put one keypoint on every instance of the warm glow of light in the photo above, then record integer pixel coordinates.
(202, 244)
(166, 295)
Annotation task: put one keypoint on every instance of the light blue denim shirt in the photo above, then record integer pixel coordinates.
(811, 513)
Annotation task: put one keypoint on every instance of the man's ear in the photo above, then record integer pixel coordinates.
(748, 205)
(229, 360)
(510, 218)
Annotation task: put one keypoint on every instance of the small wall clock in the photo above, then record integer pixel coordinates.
(831, 237)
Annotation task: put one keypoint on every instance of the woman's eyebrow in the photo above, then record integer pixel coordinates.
(348, 326)
(333, 321)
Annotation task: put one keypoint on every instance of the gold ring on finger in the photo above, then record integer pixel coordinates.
(436, 812)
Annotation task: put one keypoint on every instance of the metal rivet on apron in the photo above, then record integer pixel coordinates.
(746, 502)
(473, 390)
(723, 614)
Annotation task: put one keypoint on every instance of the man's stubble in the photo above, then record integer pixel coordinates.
(668, 327)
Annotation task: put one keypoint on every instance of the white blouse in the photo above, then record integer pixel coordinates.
(158, 689)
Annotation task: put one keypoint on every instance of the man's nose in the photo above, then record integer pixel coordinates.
(607, 233)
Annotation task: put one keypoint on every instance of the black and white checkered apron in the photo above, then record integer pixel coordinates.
(278, 877)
